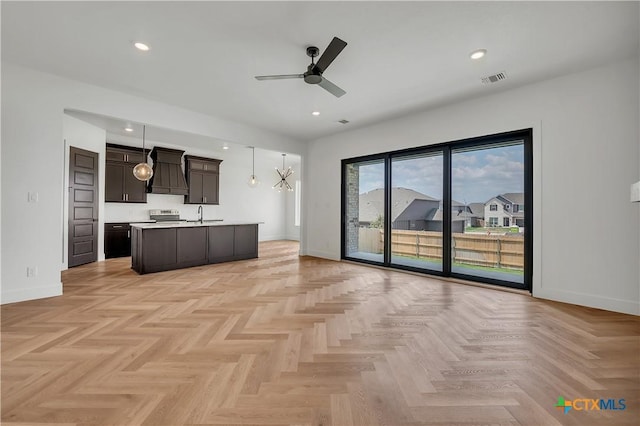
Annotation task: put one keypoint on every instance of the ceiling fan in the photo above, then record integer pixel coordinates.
(315, 70)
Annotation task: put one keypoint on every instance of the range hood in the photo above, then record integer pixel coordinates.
(168, 177)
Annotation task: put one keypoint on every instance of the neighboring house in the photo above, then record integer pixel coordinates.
(505, 210)
(476, 218)
(434, 218)
(409, 208)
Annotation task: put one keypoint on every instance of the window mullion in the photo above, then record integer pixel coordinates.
(387, 210)
(446, 213)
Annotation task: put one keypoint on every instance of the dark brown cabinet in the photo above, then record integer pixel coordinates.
(192, 246)
(233, 242)
(203, 179)
(164, 249)
(121, 186)
(160, 250)
(245, 242)
(117, 240)
(221, 243)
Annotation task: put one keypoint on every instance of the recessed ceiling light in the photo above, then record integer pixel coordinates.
(141, 46)
(477, 54)
(128, 129)
(225, 146)
(315, 113)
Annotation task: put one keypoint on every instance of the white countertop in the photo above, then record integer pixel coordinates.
(185, 224)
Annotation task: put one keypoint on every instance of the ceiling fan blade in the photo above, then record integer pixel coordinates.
(329, 54)
(278, 77)
(331, 88)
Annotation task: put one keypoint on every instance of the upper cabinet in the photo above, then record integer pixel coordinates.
(120, 184)
(168, 177)
(203, 179)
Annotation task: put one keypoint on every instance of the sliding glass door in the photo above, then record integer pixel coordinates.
(416, 210)
(488, 211)
(364, 210)
(458, 209)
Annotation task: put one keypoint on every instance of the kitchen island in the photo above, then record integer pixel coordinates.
(166, 246)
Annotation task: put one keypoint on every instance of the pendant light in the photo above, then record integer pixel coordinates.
(253, 179)
(284, 174)
(143, 171)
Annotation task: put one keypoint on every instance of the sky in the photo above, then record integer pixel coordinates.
(477, 176)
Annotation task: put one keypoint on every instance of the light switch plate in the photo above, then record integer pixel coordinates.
(635, 192)
(32, 197)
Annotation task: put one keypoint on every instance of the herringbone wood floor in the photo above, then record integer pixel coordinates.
(289, 340)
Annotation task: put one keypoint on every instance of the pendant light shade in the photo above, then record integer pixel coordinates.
(253, 179)
(284, 174)
(143, 171)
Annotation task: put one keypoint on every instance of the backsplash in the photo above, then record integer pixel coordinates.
(129, 212)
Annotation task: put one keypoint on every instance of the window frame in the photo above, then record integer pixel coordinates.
(524, 135)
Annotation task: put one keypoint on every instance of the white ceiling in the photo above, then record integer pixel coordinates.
(400, 57)
(169, 137)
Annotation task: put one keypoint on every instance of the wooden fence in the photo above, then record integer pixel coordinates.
(496, 251)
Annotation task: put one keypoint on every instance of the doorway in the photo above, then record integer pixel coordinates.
(83, 207)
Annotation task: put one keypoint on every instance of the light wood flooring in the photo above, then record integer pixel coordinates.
(289, 340)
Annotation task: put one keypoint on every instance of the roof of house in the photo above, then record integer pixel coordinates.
(477, 209)
(436, 215)
(416, 210)
(510, 197)
(371, 204)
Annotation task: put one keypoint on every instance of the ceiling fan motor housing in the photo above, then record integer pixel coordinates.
(312, 76)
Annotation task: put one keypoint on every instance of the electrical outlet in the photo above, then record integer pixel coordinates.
(635, 192)
(32, 197)
(32, 271)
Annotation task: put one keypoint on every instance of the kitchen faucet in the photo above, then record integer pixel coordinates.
(200, 213)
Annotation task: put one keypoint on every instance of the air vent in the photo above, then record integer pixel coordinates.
(494, 78)
(343, 121)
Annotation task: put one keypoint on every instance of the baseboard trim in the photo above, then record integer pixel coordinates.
(589, 300)
(31, 293)
(321, 254)
(272, 238)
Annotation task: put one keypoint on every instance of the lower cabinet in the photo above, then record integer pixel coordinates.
(163, 249)
(192, 246)
(117, 240)
(221, 243)
(245, 242)
(160, 252)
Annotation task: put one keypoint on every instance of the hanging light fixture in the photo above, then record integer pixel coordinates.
(253, 179)
(143, 171)
(284, 174)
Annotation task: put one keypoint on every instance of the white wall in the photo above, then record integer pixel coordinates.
(81, 135)
(586, 150)
(292, 231)
(33, 105)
